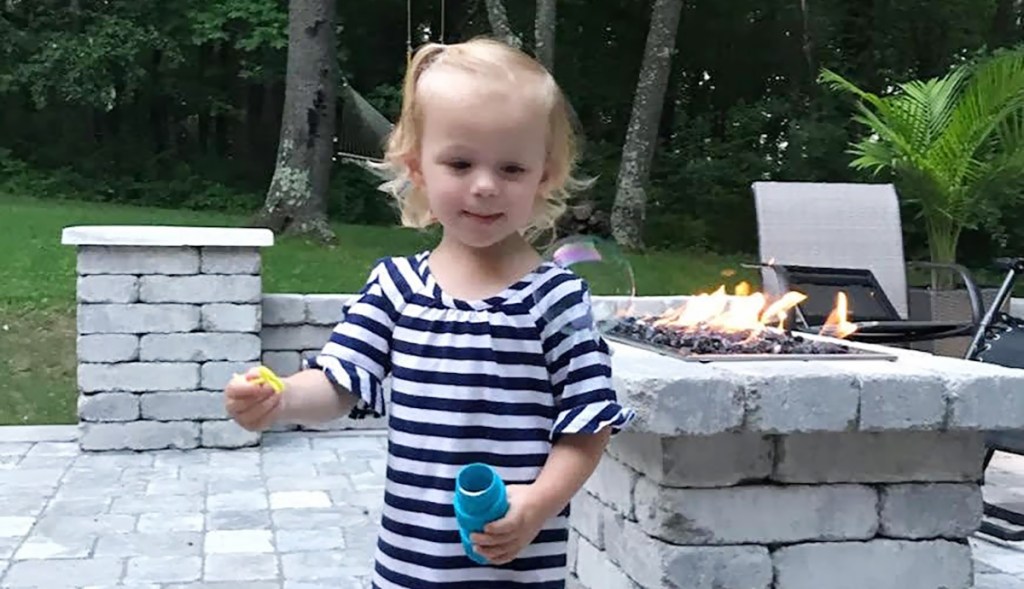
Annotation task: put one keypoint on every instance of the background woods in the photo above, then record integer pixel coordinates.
(181, 104)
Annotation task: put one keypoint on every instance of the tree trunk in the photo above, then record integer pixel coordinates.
(808, 44)
(628, 212)
(544, 33)
(297, 199)
(498, 18)
(1004, 24)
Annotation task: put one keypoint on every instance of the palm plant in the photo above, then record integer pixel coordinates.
(955, 144)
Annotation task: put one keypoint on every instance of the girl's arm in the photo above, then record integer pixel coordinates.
(309, 397)
(571, 462)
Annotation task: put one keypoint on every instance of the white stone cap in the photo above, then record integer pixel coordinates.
(167, 235)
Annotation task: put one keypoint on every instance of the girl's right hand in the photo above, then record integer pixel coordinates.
(254, 406)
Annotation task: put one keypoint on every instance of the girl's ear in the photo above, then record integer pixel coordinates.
(412, 162)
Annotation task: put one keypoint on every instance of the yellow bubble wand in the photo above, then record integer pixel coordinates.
(267, 376)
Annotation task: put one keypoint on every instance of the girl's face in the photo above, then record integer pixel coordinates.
(482, 158)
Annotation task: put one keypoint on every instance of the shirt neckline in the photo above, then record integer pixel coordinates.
(496, 300)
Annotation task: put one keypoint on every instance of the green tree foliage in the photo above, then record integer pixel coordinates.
(955, 144)
(179, 103)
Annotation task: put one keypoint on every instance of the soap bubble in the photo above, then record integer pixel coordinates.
(608, 274)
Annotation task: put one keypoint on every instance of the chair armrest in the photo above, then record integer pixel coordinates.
(973, 293)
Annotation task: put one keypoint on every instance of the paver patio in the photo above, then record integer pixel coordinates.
(299, 512)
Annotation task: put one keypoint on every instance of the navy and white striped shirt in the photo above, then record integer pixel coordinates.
(496, 380)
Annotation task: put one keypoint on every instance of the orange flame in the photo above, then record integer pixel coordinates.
(744, 311)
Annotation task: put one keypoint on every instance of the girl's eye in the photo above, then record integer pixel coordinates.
(458, 165)
(513, 169)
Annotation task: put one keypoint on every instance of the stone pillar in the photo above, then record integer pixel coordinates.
(165, 316)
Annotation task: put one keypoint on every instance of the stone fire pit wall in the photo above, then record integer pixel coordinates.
(735, 475)
(792, 475)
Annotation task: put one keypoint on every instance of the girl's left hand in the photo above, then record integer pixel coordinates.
(502, 540)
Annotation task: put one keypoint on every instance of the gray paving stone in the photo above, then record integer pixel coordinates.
(41, 547)
(304, 519)
(310, 540)
(320, 483)
(160, 522)
(65, 505)
(56, 573)
(15, 526)
(146, 504)
(343, 583)
(250, 500)
(21, 505)
(53, 449)
(78, 526)
(238, 520)
(251, 541)
(157, 544)
(997, 581)
(164, 569)
(175, 487)
(7, 547)
(14, 448)
(319, 566)
(227, 585)
(240, 567)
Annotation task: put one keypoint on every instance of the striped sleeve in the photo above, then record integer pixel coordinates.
(580, 365)
(356, 357)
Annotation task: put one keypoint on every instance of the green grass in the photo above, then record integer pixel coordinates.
(37, 275)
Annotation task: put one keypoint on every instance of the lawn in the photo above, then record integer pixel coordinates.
(37, 301)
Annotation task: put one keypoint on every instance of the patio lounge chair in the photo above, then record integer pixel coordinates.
(823, 238)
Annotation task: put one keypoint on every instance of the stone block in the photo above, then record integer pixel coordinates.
(676, 398)
(199, 347)
(326, 309)
(879, 457)
(137, 318)
(983, 396)
(284, 309)
(595, 571)
(587, 517)
(107, 288)
(718, 460)
(138, 377)
(895, 396)
(930, 510)
(227, 434)
(139, 435)
(107, 348)
(231, 317)
(612, 482)
(137, 260)
(291, 338)
(756, 514)
(190, 405)
(653, 563)
(878, 564)
(572, 547)
(282, 363)
(782, 400)
(229, 260)
(108, 407)
(215, 375)
(204, 288)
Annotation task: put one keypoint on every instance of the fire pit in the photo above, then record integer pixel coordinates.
(718, 327)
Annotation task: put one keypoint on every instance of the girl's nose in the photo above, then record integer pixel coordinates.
(484, 184)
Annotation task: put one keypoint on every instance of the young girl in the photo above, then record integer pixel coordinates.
(482, 339)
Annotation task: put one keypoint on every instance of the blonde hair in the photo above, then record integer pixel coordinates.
(483, 56)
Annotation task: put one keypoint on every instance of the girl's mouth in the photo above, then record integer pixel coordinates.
(487, 219)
